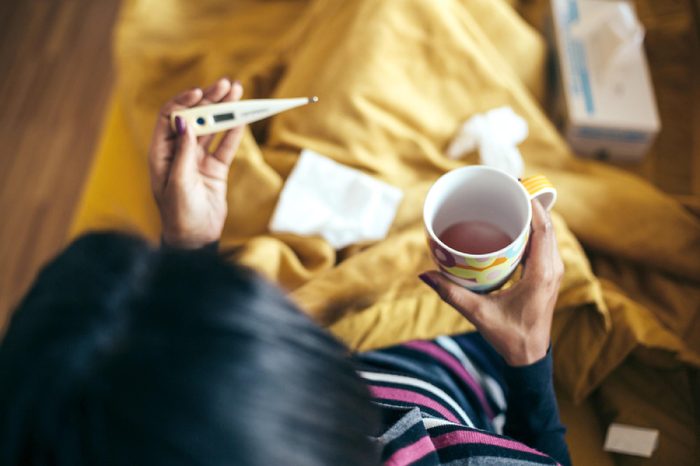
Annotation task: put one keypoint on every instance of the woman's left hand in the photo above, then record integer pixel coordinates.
(190, 181)
(517, 321)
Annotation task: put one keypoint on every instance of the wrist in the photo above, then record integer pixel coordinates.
(526, 353)
(212, 248)
(179, 241)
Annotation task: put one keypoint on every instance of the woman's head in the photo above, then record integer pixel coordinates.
(124, 354)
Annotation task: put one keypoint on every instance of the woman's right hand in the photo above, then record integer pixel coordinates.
(517, 322)
(188, 177)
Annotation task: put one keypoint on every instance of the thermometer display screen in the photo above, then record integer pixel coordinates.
(224, 117)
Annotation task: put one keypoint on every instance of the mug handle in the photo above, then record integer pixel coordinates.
(540, 188)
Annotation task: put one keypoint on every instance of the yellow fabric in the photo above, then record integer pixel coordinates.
(395, 80)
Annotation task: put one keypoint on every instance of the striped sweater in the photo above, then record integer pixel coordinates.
(454, 401)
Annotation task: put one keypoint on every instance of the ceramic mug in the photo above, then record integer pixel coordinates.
(484, 194)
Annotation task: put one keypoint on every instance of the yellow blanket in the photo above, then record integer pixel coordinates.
(395, 80)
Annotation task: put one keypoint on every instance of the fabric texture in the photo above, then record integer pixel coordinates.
(450, 400)
(395, 81)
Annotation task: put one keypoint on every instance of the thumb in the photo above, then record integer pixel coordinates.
(185, 160)
(469, 304)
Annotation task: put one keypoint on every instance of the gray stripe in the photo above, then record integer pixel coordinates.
(408, 420)
(490, 461)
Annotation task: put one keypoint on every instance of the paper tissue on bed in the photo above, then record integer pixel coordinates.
(496, 134)
(342, 205)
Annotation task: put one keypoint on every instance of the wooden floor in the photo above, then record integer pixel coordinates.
(55, 78)
(56, 75)
(673, 50)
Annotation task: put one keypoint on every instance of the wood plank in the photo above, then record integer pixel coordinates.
(55, 79)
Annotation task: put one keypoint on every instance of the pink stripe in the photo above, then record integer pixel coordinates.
(460, 437)
(447, 359)
(411, 453)
(399, 394)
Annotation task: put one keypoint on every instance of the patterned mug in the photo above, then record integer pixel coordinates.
(483, 194)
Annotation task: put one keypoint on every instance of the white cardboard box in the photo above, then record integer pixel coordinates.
(605, 99)
(631, 440)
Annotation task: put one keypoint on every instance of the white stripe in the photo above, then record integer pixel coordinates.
(433, 422)
(401, 379)
(496, 392)
(489, 384)
(498, 423)
(430, 422)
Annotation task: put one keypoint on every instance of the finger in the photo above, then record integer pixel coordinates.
(228, 145)
(161, 153)
(213, 94)
(469, 304)
(185, 160)
(216, 91)
(185, 99)
(556, 255)
(542, 252)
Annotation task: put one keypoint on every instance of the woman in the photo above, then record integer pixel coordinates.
(123, 354)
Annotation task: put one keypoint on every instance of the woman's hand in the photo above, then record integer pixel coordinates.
(517, 321)
(189, 180)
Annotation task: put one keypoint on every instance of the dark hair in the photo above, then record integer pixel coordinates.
(126, 354)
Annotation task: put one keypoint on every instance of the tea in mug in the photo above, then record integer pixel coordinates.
(475, 237)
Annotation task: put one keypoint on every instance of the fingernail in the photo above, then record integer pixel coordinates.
(237, 82)
(427, 279)
(179, 125)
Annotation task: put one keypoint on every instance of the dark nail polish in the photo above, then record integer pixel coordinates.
(179, 125)
(427, 279)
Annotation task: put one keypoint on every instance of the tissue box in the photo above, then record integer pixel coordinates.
(605, 101)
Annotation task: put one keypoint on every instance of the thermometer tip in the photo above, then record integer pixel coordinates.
(313, 100)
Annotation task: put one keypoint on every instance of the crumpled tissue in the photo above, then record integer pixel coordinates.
(341, 204)
(496, 134)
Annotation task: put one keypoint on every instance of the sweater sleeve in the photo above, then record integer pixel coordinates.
(211, 248)
(532, 415)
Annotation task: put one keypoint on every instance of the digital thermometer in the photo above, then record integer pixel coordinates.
(213, 118)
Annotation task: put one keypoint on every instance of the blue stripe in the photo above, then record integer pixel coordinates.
(573, 15)
(579, 63)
